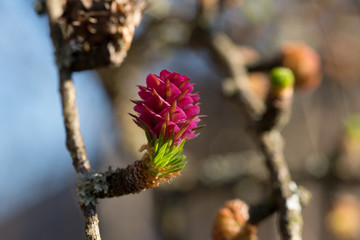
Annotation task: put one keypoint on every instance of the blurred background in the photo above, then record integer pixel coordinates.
(37, 180)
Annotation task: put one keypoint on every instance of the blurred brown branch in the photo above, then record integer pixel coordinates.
(270, 142)
(266, 132)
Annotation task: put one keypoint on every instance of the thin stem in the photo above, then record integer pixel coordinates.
(76, 147)
(74, 141)
(290, 222)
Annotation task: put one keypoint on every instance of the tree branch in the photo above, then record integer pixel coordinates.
(265, 124)
(74, 141)
(133, 179)
(76, 147)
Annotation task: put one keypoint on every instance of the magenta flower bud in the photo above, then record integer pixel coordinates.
(168, 108)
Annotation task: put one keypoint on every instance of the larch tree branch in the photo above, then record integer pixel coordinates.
(270, 142)
(76, 147)
(74, 141)
(265, 122)
(81, 52)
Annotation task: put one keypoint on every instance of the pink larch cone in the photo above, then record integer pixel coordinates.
(168, 109)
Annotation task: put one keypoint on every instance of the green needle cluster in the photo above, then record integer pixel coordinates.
(166, 157)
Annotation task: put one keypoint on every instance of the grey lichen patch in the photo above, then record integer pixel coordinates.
(293, 202)
(292, 216)
(92, 227)
(295, 224)
(91, 185)
(300, 195)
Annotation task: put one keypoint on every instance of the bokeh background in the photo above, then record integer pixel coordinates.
(37, 180)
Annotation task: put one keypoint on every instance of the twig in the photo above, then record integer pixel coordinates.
(268, 138)
(76, 147)
(74, 140)
(133, 179)
(288, 202)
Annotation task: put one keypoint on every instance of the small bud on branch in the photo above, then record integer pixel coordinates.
(231, 222)
(278, 100)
